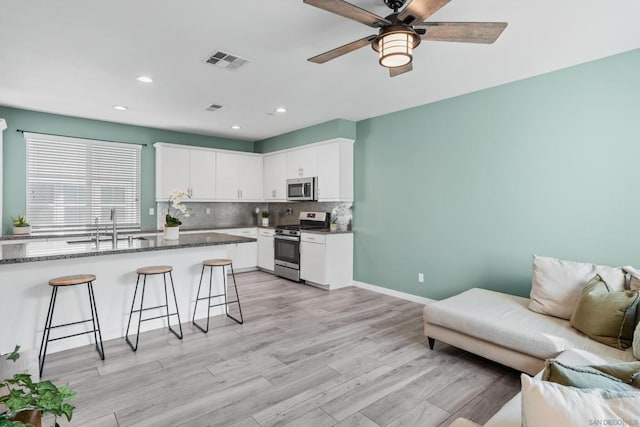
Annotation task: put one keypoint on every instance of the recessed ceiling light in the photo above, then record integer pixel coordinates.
(144, 79)
(236, 127)
(281, 110)
(120, 107)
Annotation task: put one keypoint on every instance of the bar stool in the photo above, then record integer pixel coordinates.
(149, 271)
(56, 283)
(217, 263)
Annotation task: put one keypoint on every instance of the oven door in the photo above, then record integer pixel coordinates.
(287, 251)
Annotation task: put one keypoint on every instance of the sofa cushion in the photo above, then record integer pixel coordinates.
(607, 317)
(616, 376)
(505, 320)
(556, 284)
(548, 404)
(636, 342)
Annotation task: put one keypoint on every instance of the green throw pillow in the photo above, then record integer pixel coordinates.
(605, 316)
(614, 377)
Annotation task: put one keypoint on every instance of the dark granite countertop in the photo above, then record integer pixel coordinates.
(121, 233)
(12, 253)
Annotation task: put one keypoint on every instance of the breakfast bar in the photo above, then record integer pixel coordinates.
(24, 294)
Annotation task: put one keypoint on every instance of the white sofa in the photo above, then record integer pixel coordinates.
(500, 327)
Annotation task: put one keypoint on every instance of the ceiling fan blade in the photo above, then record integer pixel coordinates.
(348, 10)
(419, 10)
(464, 32)
(342, 50)
(396, 71)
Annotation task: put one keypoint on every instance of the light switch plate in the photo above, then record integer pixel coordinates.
(152, 211)
(208, 211)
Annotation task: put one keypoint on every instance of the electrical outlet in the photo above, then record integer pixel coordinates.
(420, 278)
(165, 211)
(152, 211)
(208, 211)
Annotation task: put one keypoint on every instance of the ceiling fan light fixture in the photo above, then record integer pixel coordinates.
(395, 48)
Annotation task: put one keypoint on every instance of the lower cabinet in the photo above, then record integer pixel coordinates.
(243, 255)
(265, 248)
(327, 259)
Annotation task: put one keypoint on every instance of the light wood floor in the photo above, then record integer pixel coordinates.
(304, 357)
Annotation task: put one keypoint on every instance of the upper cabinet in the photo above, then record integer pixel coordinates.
(185, 168)
(219, 175)
(302, 162)
(275, 177)
(335, 171)
(238, 177)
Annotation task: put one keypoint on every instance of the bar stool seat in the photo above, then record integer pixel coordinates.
(77, 279)
(149, 271)
(211, 263)
(66, 281)
(217, 262)
(156, 269)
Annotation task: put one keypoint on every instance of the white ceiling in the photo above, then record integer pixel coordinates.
(81, 58)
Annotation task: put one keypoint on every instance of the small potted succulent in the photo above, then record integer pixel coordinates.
(172, 223)
(21, 225)
(23, 402)
(265, 218)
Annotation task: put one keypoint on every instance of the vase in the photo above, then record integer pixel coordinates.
(265, 222)
(333, 226)
(171, 233)
(22, 230)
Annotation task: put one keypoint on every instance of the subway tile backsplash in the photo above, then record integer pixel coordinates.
(235, 214)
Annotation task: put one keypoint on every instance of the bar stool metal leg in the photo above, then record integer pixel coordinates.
(241, 321)
(135, 292)
(95, 321)
(195, 309)
(47, 329)
(175, 300)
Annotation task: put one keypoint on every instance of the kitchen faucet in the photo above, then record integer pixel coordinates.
(97, 234)
(114, 235)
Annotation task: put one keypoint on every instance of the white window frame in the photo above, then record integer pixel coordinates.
(129, 214)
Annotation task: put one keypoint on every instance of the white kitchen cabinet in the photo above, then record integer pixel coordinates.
(202, 175)
(243, 255)
(326, 259)
(185, 168)
(275, 177)
(238, 177)
(265, 248)
(172, 170)
(302, 162)
(335, 171)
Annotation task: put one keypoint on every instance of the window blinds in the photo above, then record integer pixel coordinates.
(72, 181)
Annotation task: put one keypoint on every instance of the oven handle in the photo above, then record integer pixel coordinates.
(293, 239)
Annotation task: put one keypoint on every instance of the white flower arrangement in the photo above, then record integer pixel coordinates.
(176, 201)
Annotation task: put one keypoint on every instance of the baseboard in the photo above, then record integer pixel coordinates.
(393, 293)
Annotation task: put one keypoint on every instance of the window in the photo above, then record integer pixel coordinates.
(72, 181)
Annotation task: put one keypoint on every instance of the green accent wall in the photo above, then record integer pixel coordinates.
(321, 132)
(465, 190)
(14, 162)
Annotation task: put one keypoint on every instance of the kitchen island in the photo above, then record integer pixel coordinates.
(26, 268)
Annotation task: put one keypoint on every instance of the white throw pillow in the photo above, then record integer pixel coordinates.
(557, 284)
(546, 404)
(635, 344)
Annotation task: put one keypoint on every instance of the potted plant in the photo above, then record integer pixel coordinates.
(265, 218)
(20, 225)
(172, 223)
(24, 402)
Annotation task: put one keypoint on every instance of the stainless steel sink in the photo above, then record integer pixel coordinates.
(103, 239)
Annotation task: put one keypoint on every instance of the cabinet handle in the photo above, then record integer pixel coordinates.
(241, 194)
(273, 193)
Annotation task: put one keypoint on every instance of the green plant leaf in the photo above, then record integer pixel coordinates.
(15, 355)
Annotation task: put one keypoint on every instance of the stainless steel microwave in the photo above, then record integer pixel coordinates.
(302, 189)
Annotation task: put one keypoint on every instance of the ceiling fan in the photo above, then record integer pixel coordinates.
(402, 31)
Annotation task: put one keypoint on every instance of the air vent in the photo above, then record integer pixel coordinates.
(226, 60)
(213, 107)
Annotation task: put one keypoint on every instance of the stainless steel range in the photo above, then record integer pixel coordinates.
(287, 243)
